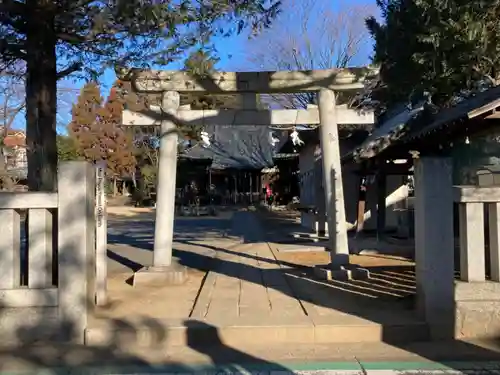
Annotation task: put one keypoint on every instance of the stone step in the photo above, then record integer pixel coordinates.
(191, 333)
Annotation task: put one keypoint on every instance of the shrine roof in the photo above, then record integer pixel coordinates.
(424, 121)
(388, 132)
(235, 147)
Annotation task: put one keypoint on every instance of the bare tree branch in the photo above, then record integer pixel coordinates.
(70, 69)
(311, 34)
(12, 97)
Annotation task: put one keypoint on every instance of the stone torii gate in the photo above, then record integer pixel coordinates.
(170, 114)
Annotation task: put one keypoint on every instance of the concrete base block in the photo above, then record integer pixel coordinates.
(339, 261)
(359, 273)
(343, 273)
(175, 274)
(477, 310)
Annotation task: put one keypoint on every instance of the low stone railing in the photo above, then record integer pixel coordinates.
(477, 297)
(48, 286)
(31, 268)
(478, 206)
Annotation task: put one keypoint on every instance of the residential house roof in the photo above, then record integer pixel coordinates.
(14, 138)
(15, 142)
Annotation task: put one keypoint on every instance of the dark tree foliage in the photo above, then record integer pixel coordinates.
(84, 127)
(56, 38)
(446, 48)
(66, 148)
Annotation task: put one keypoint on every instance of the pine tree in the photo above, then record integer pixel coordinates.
(66, 148)
(447, 48)
(56, 38)
(200, 63)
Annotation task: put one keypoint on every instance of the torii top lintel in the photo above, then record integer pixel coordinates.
(248, 82)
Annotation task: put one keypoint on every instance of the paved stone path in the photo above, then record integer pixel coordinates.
(130, 244)
(246, 284)
(237, 281)
(275, 308)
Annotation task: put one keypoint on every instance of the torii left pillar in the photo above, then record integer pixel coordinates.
(165, 269)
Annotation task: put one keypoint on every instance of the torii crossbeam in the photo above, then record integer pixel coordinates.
(247, 117)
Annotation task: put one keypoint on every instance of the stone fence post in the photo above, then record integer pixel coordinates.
(76, 240)
(434, 244)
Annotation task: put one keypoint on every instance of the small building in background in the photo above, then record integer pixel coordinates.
(15, 161)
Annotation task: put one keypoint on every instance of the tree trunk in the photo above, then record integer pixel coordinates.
(41, 110)
(41, 97)
(115, 187)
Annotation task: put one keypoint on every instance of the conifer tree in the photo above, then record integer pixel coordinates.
(56, 38)
(84, 126)
(66, 148)
(119, 156)
(447, 48)
(98, 133)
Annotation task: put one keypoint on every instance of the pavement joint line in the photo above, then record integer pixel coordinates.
(312, 368)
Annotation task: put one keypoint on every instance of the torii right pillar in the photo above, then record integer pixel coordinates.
(339, 267)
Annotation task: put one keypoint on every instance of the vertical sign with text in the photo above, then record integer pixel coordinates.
(101, 235)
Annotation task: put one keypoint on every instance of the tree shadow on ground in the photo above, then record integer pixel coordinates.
(38, 328)
(285, 224)
(124, 232)
(114, 358)
(387, 299)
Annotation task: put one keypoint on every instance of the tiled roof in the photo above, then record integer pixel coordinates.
(423, 121)
(383, 136)
(235, 147)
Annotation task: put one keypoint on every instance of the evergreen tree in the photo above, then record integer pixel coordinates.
(447, 48)
(66, 148)
(119, 155)
(60, 37)
(84, 126)
(97, 131)
(200, 63)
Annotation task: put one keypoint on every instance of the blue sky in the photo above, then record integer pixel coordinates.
(233, 51)
(230, 52)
